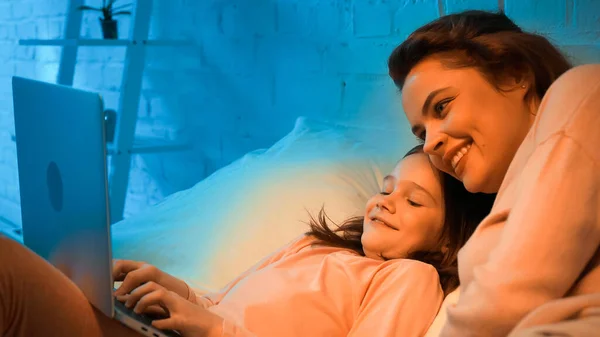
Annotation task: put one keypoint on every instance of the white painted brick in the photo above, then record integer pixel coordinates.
(164, 130)
(89, 76)
(587, 16)
(52, 8)
(27, 30)
(205, 14)
(5, 11)
(24, 53)
(230, 55)
(361, 56)
(48, 54)
(10, 211)
(188, 57)
(319, 20)
(201, 105)
(51, 28)
(413, 14)
(9, 153)
(46, 72)
(455, 6)
(55, 29)
(11, 190)
(543, 16)
(102, 55)
(21, 10)
(90, 26)
(365, 94)
(315, 96)
(137, 182)
(295, 19)
(372, 18)
(6, 32)
(245, 18)
(289, 56)
(6, 100)
(134, 203)
(123, 27)
(156, 78)
(25, 69)
(160, 109)
(6, 50)
(111, 99)
(7, 69)
(111, 76)
(583, 54)
(5, 136)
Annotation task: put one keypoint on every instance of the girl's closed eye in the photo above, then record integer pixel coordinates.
(413, 203)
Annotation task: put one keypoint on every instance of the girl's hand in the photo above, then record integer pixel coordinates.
(183, 316)
(134, 274)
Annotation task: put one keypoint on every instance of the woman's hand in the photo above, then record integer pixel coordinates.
(135, 274)
(183, 316)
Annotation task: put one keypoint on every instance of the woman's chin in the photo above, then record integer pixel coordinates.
(476, 183)
(471, 186)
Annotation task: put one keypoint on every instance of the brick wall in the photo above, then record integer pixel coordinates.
(255, 66)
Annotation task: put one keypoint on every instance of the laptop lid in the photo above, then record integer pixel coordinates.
(61, 156)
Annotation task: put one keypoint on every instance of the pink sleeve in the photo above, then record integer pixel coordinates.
(214, 298)
(400, 301)
(232, 330)
(547, 240)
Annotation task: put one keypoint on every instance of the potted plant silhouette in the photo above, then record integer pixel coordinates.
(109, 11)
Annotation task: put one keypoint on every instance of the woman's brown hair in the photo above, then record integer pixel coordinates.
(489, 42)
(463, 212)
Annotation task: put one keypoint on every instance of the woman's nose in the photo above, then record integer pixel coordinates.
(434, 144)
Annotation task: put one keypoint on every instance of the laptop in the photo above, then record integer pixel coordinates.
(61, 154)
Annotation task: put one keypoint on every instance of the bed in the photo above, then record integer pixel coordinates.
(215, 230)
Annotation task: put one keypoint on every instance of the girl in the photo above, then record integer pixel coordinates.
(384, 274)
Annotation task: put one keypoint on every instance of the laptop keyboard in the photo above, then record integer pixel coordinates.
(144, 319)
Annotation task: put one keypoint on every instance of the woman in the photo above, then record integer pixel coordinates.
(384, 274)
(497, 108)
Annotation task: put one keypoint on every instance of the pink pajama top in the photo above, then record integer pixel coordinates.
(308, 290)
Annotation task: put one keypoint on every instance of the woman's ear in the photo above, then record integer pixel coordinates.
(445, 247)
(521, 83)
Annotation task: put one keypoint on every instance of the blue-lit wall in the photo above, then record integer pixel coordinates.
(255, 66)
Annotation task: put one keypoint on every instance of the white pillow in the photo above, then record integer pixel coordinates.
(217, 229)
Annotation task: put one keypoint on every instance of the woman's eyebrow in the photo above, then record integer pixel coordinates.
(425, 110)
(430, 98)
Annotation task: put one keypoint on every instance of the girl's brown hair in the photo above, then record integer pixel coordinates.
(463, 212)
(489, 42)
